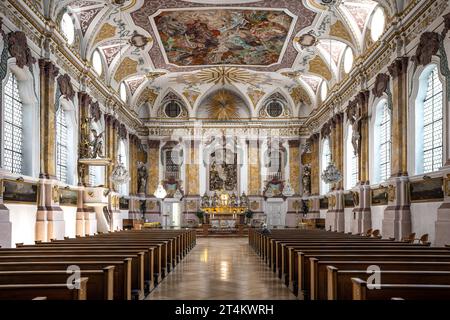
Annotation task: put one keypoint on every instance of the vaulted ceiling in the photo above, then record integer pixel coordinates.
(189, 47)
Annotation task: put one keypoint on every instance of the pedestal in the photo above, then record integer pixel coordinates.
(362, 216)
(442, 225)
(5, 227)
(397, 216)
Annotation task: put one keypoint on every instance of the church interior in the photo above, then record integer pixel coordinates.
(278, 148)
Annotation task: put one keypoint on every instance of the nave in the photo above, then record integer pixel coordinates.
(221, 269)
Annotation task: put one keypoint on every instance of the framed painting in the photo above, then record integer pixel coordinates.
(124, 203)
(68, 197)
(430, 190)
(379, 196)
(19, 192)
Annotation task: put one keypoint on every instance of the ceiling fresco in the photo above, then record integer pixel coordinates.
(223, 36)
(195, 47)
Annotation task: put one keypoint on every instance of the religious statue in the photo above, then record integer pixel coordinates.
(96, 145)
(142, 177)
(305, 208)
(205, 201)
(215, 200)
(233, 200)
(244, 200)
(355, 120)
(306, 180)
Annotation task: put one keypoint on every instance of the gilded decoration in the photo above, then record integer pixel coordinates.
(254, 171)
(355, 196)
(391, 193)
(126, 68)
(148, 95)
(191, 95)
(255, 95)
(191, 205)
(55, 193)
(318, 66)
(221, 75)
(106, 31)
(299, 95)
(254, 205)
(339, 30)
(223, 106)
(332, 201)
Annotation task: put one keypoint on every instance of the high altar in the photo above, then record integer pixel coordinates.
(224, 210)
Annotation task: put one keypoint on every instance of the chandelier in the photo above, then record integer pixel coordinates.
(120, 174)
(331, 174)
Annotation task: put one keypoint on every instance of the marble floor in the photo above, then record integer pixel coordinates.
(221, 269)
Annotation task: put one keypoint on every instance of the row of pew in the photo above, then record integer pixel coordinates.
(324, 265)
(123, 265)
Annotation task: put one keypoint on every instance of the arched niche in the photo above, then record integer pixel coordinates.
(223, 103)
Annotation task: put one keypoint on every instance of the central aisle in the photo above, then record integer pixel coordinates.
(221, 268)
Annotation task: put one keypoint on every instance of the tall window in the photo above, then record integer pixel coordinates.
(351, 161)
(326, 159)
(385, 142)
(432, 124)
(172, 164)
(61, 145)
(13, 123)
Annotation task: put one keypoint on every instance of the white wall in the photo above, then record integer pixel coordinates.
(23, 219)
(70, 220)
(423, 219)
(377, 213)
(348, 218)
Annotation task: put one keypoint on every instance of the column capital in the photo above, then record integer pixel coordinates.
(398, 67)
(48, 68)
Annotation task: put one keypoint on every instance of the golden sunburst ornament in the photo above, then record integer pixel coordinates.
(223, 106)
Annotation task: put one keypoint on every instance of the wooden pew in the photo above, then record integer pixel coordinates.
(122, 271)
(136, 272)
(339, 284)
(51, 291)
(406, 291)
(319, 271)
(99, 287)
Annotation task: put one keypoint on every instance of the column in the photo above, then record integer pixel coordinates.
(337, 200)
(295, 178)
(361, 221)
(153, 162)
(314, 201)
(49, 217)
(397, 216)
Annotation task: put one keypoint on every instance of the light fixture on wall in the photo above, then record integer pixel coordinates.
(331, 174)
(120, 174)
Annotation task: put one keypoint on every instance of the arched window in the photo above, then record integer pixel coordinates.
(123, 92)
(348, 60)
(382, 143)
(429, 122)
(351, 165)
(377, 24)
(326, 159)
(61, 145)
(122, 152)
(97, 62)
(68, 28)
(13, 127)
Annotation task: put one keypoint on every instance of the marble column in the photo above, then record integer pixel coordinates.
(49, 217)
(254, 168)
(294, 165)
(361, 220)
(153, 161)
(192, 169)
(397, 215)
